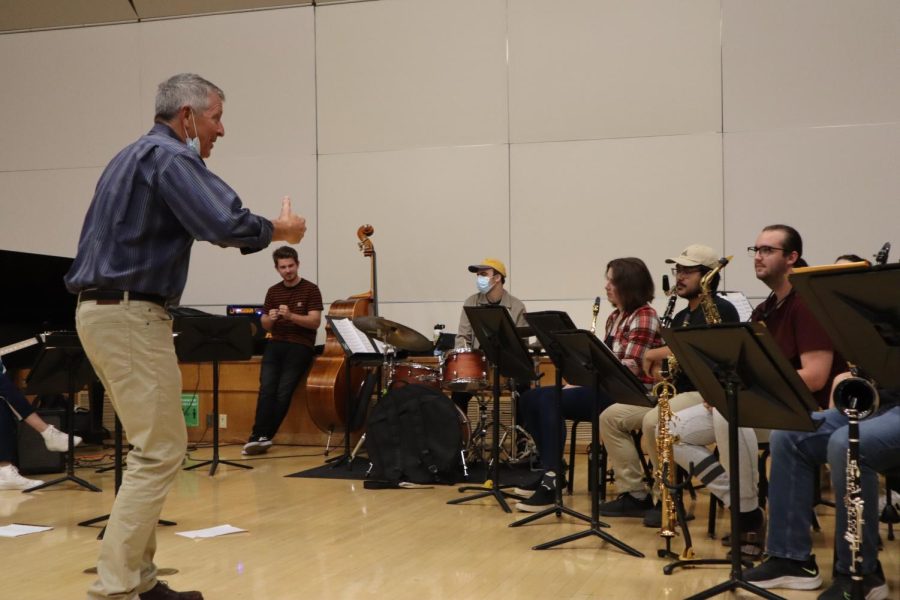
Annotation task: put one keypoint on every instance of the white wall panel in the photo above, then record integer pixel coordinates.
(225, 276)
(808, 62)
(837, 186)
(42, 211)
(411, 73)
(265, 63)
(435, 211)
(585, 69)
(69, 98)
(577, 205)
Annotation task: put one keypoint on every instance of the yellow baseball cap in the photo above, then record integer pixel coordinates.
(489, 263)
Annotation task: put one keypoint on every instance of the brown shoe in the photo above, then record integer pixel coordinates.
(161, 591)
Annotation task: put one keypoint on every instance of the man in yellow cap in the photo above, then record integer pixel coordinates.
(490, 275)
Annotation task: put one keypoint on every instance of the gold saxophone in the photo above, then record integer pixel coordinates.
(707, 302)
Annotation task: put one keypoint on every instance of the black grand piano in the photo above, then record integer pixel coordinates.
(34, 300)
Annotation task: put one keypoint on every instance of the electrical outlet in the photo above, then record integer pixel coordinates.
(223, 421)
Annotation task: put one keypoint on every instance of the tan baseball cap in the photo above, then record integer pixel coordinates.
(489, 263)
(696, 255)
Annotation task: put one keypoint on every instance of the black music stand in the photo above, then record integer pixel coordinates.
(213, 339)
(589, 363)
(62, 367)
(496, 333)
(740, 370)
(544, 324)
(358, 354)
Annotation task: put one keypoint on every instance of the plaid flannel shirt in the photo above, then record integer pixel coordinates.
(636, 333)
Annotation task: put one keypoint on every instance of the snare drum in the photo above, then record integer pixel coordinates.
(405, 373)
(464, 370)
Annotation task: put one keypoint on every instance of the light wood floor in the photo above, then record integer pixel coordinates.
(331, 539)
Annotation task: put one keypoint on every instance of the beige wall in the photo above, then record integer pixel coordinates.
(553, 135)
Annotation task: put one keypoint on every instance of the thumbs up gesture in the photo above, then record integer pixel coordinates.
(288, 227)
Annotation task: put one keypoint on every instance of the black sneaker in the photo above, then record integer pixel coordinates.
(529, 487)
(258, 445)
(785, 573)
(626, 505)
(875, 587)
(543, 497)
(653, 517)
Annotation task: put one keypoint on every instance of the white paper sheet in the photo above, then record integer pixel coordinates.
(210, 532)
(15, 530)
(355, 339)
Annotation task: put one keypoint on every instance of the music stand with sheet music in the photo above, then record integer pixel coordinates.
(544, 325)
(213, 339)
(62, 367)
(740, 370)
(589, 363)
(361, 350)
(496, 333)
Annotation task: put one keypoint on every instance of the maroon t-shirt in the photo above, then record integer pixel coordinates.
(300, 299)
(796, 331)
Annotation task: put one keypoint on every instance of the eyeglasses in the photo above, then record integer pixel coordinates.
(676, 271)
(763, 250)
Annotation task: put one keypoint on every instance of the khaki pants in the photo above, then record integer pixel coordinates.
(616, 424)
(131, 349)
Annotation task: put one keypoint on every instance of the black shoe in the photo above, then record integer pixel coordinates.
(543, 497)
(161, 591)
(527, 489)
(653, 517)
(255, 446)
(626, 505)
(785, 573)
(875, 587)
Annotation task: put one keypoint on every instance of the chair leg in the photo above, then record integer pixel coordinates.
(763, 479)
(714, 503)
(602, 474)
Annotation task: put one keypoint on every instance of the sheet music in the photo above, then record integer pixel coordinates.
(356, 340)
(740, 302)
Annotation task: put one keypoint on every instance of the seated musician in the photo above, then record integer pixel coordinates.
(14, 407)
(490, 277)
(619, 420)
(807, 347)
(293, 313)
(631, 330)
(796, 459)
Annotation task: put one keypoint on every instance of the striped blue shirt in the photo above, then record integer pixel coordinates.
(152, 201)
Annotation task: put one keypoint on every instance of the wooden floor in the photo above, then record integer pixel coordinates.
(331, 539)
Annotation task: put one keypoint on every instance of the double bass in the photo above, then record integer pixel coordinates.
(326, 384)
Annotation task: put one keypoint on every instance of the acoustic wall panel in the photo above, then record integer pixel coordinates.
(837, 186)
(577, 205)
(69, 97)
(435, 211)
(808, 62)
(587, 69)
(411, 73)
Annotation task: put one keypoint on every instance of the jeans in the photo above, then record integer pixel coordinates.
(796, 456)
(544, 418)
(283, 366)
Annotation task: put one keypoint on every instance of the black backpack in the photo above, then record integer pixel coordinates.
(414, 435)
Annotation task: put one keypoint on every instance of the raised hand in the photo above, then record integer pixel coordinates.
(288, 227)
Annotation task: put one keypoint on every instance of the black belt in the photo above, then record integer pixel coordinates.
(117, 296)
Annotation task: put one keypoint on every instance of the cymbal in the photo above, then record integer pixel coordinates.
(393, 333)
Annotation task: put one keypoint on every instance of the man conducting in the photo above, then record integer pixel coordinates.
(152, 201)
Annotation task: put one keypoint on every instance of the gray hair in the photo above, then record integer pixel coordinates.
(184, 89)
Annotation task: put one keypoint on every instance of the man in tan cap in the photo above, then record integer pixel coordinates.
(490, 276)
(619, 420)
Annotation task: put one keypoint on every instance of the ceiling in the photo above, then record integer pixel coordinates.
(24, 15)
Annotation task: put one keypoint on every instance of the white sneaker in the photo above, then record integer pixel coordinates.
(56, 440)
(11, 480)
(266, 443)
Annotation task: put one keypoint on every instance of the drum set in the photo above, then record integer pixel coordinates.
(460, 370)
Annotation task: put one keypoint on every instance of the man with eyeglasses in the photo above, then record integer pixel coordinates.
(619, 420)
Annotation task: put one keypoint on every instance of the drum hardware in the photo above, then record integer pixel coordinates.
(393, 333)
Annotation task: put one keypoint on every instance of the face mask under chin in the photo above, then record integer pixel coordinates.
(193, 142)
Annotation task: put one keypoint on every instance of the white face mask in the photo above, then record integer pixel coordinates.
(483, 283)
(193, 142)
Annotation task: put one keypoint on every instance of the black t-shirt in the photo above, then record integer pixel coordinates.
(686, 317)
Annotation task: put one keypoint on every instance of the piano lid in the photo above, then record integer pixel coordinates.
(33, 299)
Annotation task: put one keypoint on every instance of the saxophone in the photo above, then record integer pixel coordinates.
(707, 302)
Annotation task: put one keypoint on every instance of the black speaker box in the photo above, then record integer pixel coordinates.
(34, 458)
